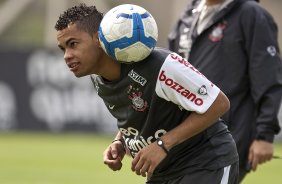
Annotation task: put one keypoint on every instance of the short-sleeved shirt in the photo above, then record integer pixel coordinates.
(154, 96)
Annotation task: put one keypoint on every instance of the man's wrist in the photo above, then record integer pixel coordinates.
(121, 141)
(265, 137)
(160, 143)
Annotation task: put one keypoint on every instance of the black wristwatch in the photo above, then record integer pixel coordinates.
(161, 144)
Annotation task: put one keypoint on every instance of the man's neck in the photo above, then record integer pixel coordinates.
(213, 2)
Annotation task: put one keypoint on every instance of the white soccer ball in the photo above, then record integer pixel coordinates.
(128, 33)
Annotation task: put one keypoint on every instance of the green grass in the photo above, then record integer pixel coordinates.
(36, 158)
(269, 172)
(58, 159)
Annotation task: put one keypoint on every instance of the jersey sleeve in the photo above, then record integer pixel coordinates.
(179, 82)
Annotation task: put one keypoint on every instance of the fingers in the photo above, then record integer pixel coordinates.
(250, 158)
(147, 159)
(107, 154)
(256, 158)
(259, 159)
(254, 164)
(139, 166)
(134, 162)
(112, 159)
(143, 167)
(150, 172)
(114, 165)
(114, 153)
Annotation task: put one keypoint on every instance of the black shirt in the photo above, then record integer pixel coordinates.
(238, 51)
(154, 96)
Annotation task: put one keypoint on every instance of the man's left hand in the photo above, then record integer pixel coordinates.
(147, 160)
(260, 152)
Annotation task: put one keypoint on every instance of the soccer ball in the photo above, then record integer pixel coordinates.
(128, 33)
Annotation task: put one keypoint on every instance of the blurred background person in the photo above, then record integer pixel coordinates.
(234, 43)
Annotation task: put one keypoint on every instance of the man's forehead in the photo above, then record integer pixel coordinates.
(68, 31)
(71, 24)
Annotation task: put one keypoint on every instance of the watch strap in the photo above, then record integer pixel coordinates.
(162, 145)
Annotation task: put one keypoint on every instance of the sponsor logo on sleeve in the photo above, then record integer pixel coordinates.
(180, 89)
(184, 62)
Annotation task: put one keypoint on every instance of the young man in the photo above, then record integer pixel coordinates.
(168, 121)
(234, 44)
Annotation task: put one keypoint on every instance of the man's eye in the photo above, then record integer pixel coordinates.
(73, 44)
(62, 49)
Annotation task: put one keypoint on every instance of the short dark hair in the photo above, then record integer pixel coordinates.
(87, 18)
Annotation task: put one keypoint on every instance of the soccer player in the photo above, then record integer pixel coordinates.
(167, 112)
(234, 44)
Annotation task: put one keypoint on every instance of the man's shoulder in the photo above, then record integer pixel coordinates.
(157, 56)
(160, 52)
(252, 7)
(252, 12)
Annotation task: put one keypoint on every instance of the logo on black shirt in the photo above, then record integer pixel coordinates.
(217, 32)
(137, 78)
(138, 103)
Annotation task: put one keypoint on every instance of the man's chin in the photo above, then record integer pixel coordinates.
(78, 75)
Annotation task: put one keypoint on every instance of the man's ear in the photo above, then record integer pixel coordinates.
(96, 39)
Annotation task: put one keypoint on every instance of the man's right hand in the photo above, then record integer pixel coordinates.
(113, 155)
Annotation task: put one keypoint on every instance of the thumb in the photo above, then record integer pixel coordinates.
(251, 155)
(114, 153)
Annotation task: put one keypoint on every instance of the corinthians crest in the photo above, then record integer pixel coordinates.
(217, 32)
(138, 103)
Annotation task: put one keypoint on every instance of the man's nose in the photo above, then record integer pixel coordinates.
(68, 55)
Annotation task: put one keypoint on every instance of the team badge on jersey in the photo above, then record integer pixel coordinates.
(217, 32)
(203, 90)
(138, 103)
(271, 50)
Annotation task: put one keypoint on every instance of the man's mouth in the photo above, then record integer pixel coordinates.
(73, 66)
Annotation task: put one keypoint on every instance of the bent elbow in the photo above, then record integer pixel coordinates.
(225, 103)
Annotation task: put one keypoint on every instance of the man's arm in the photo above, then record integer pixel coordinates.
(196, 123)
(265, 74)
(149, 157)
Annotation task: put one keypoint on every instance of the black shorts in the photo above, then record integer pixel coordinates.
(226, 175)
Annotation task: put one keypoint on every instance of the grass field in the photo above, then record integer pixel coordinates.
(36, 158)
